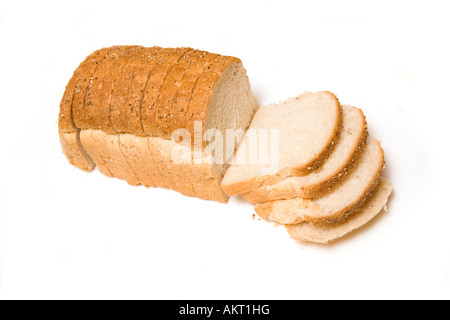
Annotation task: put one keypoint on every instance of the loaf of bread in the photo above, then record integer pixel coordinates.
(125, 106)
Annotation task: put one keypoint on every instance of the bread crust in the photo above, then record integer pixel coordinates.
(150, 103)
(177, 79)
(68, 132)
(154, 62)
(84, 81)
(165, 98)
(125, 100)
(355, 206)
(198, 61)
(84, 111)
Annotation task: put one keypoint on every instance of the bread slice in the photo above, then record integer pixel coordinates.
(307, 128)
(352, 141)
(343, 201)
(311, 232)
(68, 132)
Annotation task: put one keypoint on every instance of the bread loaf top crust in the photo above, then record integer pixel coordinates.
(142, 91)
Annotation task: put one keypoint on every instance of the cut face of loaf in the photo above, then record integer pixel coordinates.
(292, 138)
(347, 151)
(343, 201)
(311, 232)
(124, 104)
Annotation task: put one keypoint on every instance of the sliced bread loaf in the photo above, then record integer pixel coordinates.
(343, 201)
(352, 141)
(306, 128)
(312, 232)
(124, 104)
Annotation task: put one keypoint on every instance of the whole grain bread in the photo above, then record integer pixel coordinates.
(319, 233)
(123, 104)
(306, 127)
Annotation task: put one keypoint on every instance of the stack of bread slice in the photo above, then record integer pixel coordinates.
(325, 179)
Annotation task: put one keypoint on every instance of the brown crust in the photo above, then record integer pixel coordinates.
(136, 90)
(257, 182)
(95, 114)
(112, 104)
(166, 94)
(84, 80)
(187, 86)
(65, 119)
(320, 190)
(103, 93)
(354, 207)
(68, 132)
(323, 156)
(150, 102)
(126, 98)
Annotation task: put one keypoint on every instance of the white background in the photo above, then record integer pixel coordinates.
(66, 234)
